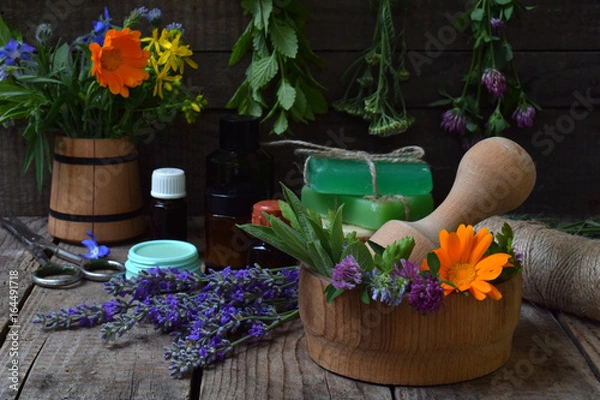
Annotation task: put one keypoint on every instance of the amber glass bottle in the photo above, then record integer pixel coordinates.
(168, 214)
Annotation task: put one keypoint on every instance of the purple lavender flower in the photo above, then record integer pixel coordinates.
(347, 274)
(524, 116)
(94, 251)
(426, 294)
(497, 25)
(257, 330)
(454, 121)
(494, 81)
(13, 53)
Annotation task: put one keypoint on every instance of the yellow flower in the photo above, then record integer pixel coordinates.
(152, 41)
(163, 79)
(462, 262)
(173, 54)
(120, 63)
(192, 108)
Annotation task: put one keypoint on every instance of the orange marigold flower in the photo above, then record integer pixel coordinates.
(462, 262)
(120, 63)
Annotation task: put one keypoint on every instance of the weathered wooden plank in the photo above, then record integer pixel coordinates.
(544, 364)
(76, 364)
(564, 187)
(279, 367)
(586, 334)
(213, 25)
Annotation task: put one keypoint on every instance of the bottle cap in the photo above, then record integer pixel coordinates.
(265, 206)
(168, 183)
(239, 133)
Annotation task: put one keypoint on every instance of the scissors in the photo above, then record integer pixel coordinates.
(50, 274)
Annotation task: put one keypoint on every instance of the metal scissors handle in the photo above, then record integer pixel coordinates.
(50, 274)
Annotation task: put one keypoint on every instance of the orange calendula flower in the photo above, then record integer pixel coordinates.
(120, 63)
(462, 262)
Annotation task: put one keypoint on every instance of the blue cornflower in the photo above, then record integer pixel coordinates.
(95, 251)
(175, 26)
(154, 16)
(14, 52)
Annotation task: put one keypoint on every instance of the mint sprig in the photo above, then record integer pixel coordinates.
(278, 80)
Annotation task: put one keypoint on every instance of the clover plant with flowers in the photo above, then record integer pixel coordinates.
(492, 92)
(466, 262)
(111, 82)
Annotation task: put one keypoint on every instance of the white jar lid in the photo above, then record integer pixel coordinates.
(168, 183)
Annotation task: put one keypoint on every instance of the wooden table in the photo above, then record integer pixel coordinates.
(554, 356)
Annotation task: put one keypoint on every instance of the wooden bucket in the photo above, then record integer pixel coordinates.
(376, 343)
(95, 187)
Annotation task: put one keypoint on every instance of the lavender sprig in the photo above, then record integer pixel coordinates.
(207, 315)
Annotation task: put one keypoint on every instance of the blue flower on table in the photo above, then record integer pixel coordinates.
(94, 251)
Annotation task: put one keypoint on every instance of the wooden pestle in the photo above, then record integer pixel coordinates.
(495, 176)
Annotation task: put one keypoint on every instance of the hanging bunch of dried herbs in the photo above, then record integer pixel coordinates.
(278, 80)
(373, 81)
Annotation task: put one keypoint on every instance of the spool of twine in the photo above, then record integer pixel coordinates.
(560, 271)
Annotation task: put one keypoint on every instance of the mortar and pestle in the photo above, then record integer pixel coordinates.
(494, 177)
(467, 338)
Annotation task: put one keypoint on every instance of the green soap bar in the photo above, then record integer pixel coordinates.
(352, 177)
(367, 212)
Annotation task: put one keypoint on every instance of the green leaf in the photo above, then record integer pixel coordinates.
(361, 254)
(400, 249)
(376, 247)
(337, 235)
(267, 235)
(299, 107)
(508, 11)
(321, 262)
(364, 296)
(286, 94)
(259, 44)
(434, 263)
(503, 2)
(262, 71)
(284, 39)
(443, 102)
(477, 14)
(331, 293)
(5, 34)
(281, 124)
(260, 11)
(238, 97)
(241, 47)
(288, 213)
(315, 99)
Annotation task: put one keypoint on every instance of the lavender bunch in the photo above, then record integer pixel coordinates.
(207, 315)
(492, 81)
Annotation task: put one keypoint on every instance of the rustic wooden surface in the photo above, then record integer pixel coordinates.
(556, 50)
(554, 355)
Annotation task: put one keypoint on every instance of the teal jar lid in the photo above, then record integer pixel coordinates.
(163, 254)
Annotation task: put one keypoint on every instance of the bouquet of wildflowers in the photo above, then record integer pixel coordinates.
(466, 262)
(109, 83)
(492, 80)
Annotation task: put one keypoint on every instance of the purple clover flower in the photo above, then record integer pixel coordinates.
(409, 270)
(94, 250)
(14, 52)
(524, 116)
(426, 294)
(497, 25)
(454, 121)
(494, 82)
(347, 274)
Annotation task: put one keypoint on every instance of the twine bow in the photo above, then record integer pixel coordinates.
(407, 154)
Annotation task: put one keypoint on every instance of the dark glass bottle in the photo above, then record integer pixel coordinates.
(168, 216)
(262, 253)
(238, 174)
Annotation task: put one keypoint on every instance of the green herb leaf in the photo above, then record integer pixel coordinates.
(284, 39)
(364, 296)
(241, 47)
(281, 124)
(477, 14)
(331, 293)
(361, 254)
(263, 71)
(286, 95)
(377, 248)
(503, 2)
(434, 263)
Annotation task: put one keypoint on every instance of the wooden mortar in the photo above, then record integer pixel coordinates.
(495, 176)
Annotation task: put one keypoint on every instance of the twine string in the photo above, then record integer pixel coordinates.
(407, 154)
(560, 271)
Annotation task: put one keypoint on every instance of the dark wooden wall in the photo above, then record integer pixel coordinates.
(557, 50)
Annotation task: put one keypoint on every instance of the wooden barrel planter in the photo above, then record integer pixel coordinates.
(376, 343)
(95, 187)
